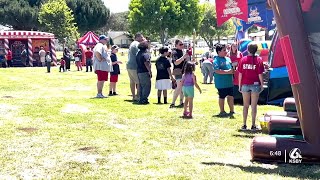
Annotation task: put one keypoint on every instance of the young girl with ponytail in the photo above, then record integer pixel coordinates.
(250, 83)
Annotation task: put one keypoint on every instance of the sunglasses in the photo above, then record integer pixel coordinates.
(180, 44)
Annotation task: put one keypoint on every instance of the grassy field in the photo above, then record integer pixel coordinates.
(51, 127)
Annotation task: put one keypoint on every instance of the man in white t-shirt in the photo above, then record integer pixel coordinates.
(42, 54)
(101, 63)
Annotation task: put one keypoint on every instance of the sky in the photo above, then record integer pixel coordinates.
(116, 6)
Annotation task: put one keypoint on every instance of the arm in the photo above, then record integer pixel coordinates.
(196, 84)
(148, 65)
(261, 82)
(99, 57)
(240, 79)
(230, 71)
(170, 74)
(180, 60)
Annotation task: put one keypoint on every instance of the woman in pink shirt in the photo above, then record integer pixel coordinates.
(235, 57)
(250, 83)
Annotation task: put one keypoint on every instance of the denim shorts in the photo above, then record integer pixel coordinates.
(250, 88)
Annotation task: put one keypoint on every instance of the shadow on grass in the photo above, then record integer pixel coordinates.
(287, 170)
(250, 136)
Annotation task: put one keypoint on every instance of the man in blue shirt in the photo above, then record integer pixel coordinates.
(223, 79)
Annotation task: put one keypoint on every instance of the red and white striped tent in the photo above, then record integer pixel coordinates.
(15, 40)
(25, 35)
(89, 39)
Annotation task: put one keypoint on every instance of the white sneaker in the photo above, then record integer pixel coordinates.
(100, 96)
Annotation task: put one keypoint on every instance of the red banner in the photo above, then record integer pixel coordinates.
(231, 8)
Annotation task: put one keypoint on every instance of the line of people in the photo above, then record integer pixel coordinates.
(249, 71)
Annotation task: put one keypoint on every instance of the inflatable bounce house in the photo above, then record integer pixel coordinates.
(17, 41)
(300, 42)
(295, 135)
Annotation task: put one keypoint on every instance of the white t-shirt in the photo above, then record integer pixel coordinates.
(103, 65)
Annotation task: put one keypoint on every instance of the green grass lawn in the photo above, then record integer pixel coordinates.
(51, 127)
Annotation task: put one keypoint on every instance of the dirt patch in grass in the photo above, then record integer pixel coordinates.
(90, 149)
(28, 130)
(7, 97)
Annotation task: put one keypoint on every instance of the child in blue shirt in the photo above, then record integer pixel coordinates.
(223, 79)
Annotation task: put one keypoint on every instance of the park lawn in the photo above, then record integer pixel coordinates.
(51, 127)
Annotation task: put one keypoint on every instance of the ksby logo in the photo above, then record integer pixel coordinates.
(295, 156)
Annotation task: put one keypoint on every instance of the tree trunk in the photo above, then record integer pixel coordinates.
(218, 38)
(162, 37)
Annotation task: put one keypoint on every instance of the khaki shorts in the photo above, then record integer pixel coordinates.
(133, 75)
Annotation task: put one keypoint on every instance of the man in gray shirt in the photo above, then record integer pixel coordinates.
(132, 65)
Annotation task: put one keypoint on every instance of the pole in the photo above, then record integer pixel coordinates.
(194, 47)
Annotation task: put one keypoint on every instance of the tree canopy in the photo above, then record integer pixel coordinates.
(23, 14)
(118, 21)
(56, 17)
(164, 18)
(209, 30)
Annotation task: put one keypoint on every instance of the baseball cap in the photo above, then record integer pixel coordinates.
(115, 47)
(103, 37)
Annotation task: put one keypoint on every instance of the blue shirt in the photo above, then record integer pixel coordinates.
(222, 80)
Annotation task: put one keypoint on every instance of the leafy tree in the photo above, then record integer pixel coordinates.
(20, 15)
(23, 14)
(209, 30)
(164, 18)
(89, 14)
(56, 17)
(118, 21)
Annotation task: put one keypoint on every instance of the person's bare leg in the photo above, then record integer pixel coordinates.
(230, 101)
(190, 100)
(100, 86)
(177, 91)
(181, 98)
(114, 87)
(246, 104)
(185, 107)
(254, 102)
(133, 90)
(221, 105)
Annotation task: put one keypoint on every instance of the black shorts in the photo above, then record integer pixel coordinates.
(224, 92)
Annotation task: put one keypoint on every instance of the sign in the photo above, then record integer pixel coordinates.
(231, 8)
(270, 20)
(257, 15)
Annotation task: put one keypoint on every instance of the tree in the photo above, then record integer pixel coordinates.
(56, 17)
(89, 14)
(23, 14)
(118, 21)
(209, 30)
(163, 18)
(20, 15)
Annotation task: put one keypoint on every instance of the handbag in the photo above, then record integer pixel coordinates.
(174, 84)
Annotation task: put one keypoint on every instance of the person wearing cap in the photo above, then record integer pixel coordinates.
(116, 71)
(102, 64)
(132, 65)
(48, 61)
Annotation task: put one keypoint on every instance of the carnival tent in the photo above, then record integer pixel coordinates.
(89, 39)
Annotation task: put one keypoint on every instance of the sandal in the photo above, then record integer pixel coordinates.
(243, 128)
(222, 114)
(171, 106)
(254, 128)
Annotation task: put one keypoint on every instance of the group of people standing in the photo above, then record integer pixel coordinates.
(228, 67)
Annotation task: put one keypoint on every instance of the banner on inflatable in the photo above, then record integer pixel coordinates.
(231, 8)
(270, 19)
(257, 15)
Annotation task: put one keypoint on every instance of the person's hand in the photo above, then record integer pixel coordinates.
(119, 62)
(261, 88)
(185, 56)
(240, 89)
(150, 74)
